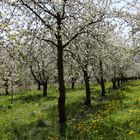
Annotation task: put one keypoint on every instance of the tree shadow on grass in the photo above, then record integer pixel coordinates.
(78, 88)
(77, 108)
(33, 98)
(41, 129)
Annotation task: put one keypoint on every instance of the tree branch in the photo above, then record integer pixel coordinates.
(43, 21)
(82, 30)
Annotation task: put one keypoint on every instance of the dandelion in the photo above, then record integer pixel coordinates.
(132, 132)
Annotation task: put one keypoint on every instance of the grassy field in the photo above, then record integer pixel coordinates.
(33, 117)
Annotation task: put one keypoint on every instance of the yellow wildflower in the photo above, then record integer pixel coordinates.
(132, 132)
(131, 123)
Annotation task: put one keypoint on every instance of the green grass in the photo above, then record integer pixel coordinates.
(33, 117)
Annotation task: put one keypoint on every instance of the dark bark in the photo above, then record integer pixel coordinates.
(60, 67)
(114, 83)
(6, 85)
(73, 80)
(6, 91)
(45, 87)
(73, 85)
(122, 79)
(118, 82)
(114, 79)
(87, 85)
(61, 100)
(39, 86)
(35, 78)
(102, 87)
(102, 82)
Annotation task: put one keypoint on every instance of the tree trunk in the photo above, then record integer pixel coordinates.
(87, 85)
(6, 87)
(12, 94)
(114, 83)
(122, 80)
(45, 87)
(102, 79)
(6, 91)
(102, 86)
(73, 83)
(39, 86)
(118, 82)
(61, 100)
(114, 80)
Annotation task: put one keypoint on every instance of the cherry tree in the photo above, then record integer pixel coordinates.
(79, 52)
(42, 63)
(64, 21)
(8, 71)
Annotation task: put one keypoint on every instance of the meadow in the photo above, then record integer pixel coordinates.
(34, 117)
